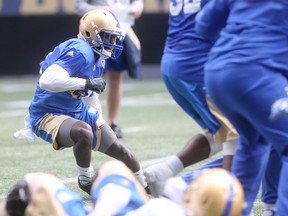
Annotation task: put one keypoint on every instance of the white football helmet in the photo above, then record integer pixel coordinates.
(100, 28)
(215, 192)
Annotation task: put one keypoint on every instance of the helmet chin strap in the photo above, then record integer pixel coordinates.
(103, 53)
(106, 53)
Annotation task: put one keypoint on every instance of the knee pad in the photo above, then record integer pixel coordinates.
(107, 137)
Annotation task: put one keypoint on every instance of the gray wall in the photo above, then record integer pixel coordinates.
(25, 40)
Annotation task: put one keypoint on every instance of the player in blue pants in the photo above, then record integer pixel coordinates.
(182, 63)
(245, 74)
(270, 183)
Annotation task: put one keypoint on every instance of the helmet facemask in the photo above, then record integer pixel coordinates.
(100, 29)
(108, 44)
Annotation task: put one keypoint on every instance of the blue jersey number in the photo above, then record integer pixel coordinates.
(188, 6)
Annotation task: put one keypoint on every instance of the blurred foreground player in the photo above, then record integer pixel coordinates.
(212, 192)
(64, 111)
(42, 194)
(116, 191)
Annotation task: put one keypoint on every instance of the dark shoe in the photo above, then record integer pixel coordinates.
(156, 176)
(117, 130)
(86, 183)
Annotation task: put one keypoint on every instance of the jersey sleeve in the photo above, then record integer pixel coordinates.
(72, 61)
(211, 19)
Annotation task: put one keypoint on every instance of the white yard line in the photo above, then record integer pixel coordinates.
(14, 113)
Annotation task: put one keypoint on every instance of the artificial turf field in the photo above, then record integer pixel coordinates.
(154, 128)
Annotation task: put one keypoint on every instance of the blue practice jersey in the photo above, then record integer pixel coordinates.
(76, 57)
(183, 44)
(71, 202)
(115, 185)
(255, 31)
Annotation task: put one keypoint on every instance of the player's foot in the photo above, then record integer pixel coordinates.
(156, 177)
(117, 130)
(268, 212)
(85, 183)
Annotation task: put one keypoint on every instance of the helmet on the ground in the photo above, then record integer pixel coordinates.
(214, 192)
(100, 28)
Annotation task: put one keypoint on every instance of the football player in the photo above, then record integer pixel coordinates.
(42, 194)
(116, 191)
(130, 59)
(245, 74)
(182, 72)
(212, 192)
(182, 69)
(64, 110)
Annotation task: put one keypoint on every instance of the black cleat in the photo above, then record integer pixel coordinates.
(86, 183)
(117, 130)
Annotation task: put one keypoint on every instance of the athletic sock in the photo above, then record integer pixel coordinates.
(140, 177)
(85, 172)
(175, 164)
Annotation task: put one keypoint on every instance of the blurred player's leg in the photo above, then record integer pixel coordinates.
(283, 189)
(79, 135)
(197, 149)
(270, 184)
(250, 116)
(201, 146)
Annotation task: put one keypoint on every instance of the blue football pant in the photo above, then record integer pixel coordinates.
(245, 93)
(271, 178)
(190, 96)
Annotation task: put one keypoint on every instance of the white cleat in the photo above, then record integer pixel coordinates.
(156, 177)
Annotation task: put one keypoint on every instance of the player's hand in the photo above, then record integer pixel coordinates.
(96, 84)
(279, 109)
